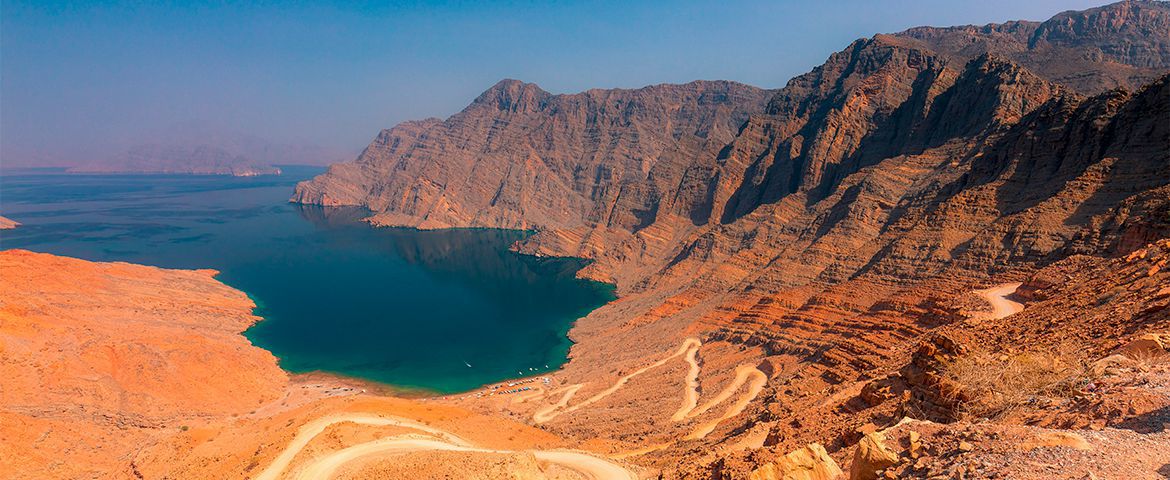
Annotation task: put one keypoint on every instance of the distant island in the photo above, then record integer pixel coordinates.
(179, 159)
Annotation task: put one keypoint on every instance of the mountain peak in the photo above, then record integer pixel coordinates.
(513, 95)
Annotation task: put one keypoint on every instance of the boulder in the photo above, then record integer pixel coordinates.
(871, 457)
(915, 444)
(809, 463)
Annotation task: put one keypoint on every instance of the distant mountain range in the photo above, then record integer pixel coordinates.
(186, 149)
(195, 160)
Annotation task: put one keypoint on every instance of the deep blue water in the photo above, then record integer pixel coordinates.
(397, 306)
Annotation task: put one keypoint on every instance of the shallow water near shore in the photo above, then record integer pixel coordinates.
(440, 311)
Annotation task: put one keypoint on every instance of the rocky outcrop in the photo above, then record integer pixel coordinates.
(809, 463)
(871, 458)
(933, 396)
(7, 223)
(179, 159)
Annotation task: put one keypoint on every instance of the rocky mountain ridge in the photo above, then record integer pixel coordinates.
(848, 113)
(519, 157)
(1090, 51)
(826, 234)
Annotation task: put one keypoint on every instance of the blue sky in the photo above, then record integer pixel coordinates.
(81, 79)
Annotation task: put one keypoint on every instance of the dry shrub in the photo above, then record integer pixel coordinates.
(1145, 359)
(996, 385)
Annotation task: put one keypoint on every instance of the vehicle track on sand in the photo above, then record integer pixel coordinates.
(325, 466)
(997, 297)
(560, 408)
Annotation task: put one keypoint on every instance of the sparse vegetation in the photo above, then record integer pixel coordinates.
(995, 385)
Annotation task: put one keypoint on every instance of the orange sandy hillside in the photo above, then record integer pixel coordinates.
(95, 356)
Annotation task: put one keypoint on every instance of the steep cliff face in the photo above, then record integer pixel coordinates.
(942, 220)
(520, 157)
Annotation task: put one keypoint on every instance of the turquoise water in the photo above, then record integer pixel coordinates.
(402, 307)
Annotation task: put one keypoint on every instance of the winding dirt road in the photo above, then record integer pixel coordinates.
(310, 430)
(997, 297)
(587, 465)
(742, 374)
(691, 394)
(324, 467)
(746, 373)
(553, 411)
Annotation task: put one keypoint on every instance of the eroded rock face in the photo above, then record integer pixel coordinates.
(932, 395)
(1150, 345)
(642, 179)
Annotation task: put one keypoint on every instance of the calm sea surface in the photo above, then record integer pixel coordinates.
(406, 308)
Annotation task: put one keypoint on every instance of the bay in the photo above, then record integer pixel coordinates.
(439, 311)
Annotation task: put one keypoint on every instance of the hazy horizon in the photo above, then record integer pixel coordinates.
(82, 81)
